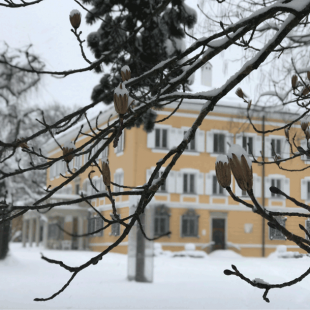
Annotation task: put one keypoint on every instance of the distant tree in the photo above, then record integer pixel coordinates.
(141, 34)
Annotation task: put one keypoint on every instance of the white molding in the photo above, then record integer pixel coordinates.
(107, 243)
(211, 197)
(120, 153)
(165, 151)
(182, 196)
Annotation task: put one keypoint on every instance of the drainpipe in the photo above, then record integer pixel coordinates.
(263, 187)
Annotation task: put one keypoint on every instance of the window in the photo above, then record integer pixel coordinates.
(116, 228)
(191, 144)
(161, 138)
(217, 189)
(162, 188)
(247, 144)
(53, 231)
(190, 224)
(244, 193)
(161, 220)
(275, 234)
(308, 190)
(307, 228)
(95, 223)
(118, 179)
(77, 188)
(219, 143)
(120, 145)
(276, 148)
(276, 183)
(77, 162)
(189, 183)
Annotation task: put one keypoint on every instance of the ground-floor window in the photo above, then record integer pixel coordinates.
(95, 223)
(115, 228)
(189, 223)
(161, 220)
(275, 234)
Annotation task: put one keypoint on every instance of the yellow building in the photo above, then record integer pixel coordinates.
(191, 204)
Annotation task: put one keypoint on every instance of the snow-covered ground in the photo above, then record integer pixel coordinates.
(179, 282)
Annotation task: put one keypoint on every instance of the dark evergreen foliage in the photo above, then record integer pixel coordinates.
(145, 49)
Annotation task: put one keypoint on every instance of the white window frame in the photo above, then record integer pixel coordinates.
(285, 150)
(304, 183)
(219, 188)
(119, 150)
(307, 226)
(285, 186)
(119, 179)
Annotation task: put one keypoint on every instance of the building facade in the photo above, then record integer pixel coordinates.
(190, 204)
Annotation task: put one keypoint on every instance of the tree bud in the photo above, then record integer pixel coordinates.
(22, 144)
(121, 99)
(241, 167)
(304, 125)
(308, 75)
(294, 81)
(106, 174)
(75, 19)
(240, 93)
(125, 73)
(68, 148)
(305, 91)
(222, 170)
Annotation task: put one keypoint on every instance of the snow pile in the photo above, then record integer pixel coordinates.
(121, 91)
(221, 158)
(158, 250)
(124, 68)
(281, 252)
(69, 145)
(73, 12)
(190, 251)
(225, 254)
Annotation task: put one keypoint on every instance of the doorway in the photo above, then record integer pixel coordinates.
(218, 234)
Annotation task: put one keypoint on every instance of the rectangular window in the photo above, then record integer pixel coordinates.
(161, 224)
(276, 149)
(247, 144)
(308, 190)
(120, 145)
(191, 144)
(189, 226)
(244, 193)
(118, 179)
(94, 224)
(77, 189)
(217, 188)
(307, 228)
(162, 188)
(276, 183)
(275, 234)
(115, 228)
(219, 143)
(189, 183)
(161, 138)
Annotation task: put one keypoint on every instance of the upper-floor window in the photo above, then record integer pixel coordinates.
(94, 224)
(276, 183)
(118, 179)
(247, 144)
(308, 190)
(219, 143)
(121, 142)
(191, 145)
(163, 187)
(275, 234)
(276, 146)
(217, 189)
(161, 138)
(189, 183)
(190, 224)
(161, 220)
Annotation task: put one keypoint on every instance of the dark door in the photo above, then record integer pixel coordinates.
(218, 234)
(75, 232)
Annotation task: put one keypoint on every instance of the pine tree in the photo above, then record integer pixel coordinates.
(160, 38)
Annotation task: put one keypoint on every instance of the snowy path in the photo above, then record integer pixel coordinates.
(179, 283)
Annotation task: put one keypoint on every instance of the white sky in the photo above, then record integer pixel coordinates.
(46, 26)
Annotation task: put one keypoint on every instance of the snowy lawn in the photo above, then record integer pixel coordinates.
(179, 282)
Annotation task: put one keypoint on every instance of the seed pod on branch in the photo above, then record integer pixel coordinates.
(125, 73)
(22, 144)
(308, 75)
(304, 125)
(75, 19)
(121, 95)
(294, 81)
(106, 174)
(68, 148)
(240, 93)
(222, 170)
(241, 166)
(305, 91)
(307, 133)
